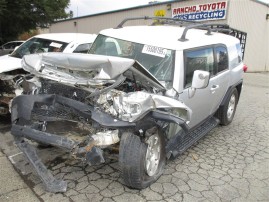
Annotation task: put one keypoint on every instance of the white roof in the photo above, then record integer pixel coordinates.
(67, 37)
(14, 41)
(168, 36)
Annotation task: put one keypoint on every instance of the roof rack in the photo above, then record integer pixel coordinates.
(175, 21)
(226, 29)
(163, 20)
(210, 27)
(183, 36)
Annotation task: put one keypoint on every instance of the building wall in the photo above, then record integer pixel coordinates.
(250, 16)
(96, 23)
(245, 15)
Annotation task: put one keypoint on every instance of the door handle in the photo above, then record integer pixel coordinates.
(214, 88)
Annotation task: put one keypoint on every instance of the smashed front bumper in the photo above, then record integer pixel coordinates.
(27, 109)
(29, 113)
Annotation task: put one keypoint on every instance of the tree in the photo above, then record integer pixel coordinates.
(18, 16)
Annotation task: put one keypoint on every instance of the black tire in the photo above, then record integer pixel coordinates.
(132, 155)
(226, 113)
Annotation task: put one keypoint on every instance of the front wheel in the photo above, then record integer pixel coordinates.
(226, 112)
(142, 162)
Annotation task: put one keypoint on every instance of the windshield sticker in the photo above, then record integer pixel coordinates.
(154, 50)
(56, 45)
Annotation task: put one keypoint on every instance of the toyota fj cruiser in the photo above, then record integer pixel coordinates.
(150, 91)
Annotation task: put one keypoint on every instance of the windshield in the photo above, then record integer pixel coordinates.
(158, 61)
(38, 45)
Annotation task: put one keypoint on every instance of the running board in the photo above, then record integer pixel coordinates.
(52, 184)
(182, 141)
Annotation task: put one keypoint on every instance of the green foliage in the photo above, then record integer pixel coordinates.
(18, 16)
(2, 7)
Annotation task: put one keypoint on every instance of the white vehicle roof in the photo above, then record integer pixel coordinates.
(168, 36)
(67, 37)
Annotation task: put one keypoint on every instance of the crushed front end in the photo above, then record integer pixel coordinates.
(8, 83)
(104, 96)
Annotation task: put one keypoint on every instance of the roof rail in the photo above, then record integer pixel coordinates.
(152, 18)
(222, 28)
(209, 27)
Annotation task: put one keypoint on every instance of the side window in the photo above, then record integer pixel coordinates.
(18, 43)
(239, 52)
(221, 58)
(9, 46)
(198, 59)
(235, 55)
(83, 48)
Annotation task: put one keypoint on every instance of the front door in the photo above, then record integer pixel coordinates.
(206, 101)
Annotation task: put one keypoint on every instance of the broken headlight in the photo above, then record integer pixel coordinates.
(126, 106)
(132, 108)
(134, 105)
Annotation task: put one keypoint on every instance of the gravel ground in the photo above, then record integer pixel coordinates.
(229, 164)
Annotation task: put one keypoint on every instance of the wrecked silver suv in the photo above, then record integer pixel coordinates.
(143, 89)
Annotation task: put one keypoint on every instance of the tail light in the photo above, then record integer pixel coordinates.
(245, 68)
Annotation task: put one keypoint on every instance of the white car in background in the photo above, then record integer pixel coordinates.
(52, 42)
(9, 47)
(11, 68)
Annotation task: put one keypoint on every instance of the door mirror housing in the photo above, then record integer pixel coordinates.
(200, 80)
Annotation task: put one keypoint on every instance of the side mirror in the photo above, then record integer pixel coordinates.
(200, 80)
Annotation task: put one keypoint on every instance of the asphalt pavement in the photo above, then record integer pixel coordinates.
(231, 163)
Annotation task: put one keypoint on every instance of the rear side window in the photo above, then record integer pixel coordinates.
(202, 59)
(235, 54)
(221, 58)
(239, 53)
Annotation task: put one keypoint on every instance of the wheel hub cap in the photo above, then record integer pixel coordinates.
(153, 154)
(231, 107)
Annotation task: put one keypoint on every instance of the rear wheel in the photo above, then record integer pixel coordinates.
(226, 112)
(141, 162)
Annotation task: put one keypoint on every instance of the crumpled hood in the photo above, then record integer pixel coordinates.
(85, 69)
(8, 63)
